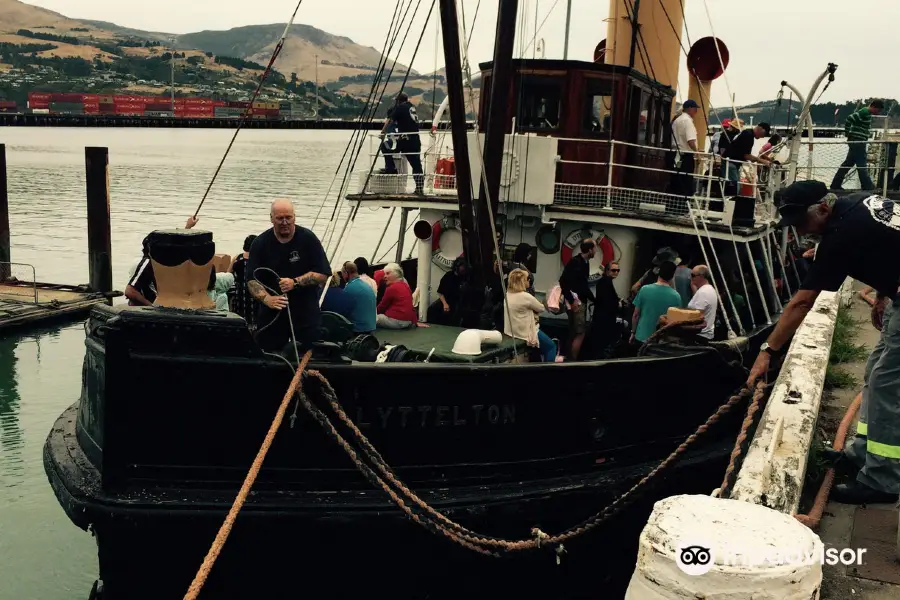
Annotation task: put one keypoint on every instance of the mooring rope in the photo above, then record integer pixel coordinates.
(225, 529)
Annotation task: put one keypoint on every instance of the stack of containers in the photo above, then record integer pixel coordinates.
(66, 104)
(38, 100)
(91, 104)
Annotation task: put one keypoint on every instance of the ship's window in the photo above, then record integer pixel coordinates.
(598, 106)
(644, 119)
(540, 102)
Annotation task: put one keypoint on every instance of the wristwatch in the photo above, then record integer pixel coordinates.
(770, 350)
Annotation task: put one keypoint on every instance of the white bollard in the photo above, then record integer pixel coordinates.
(716, 549)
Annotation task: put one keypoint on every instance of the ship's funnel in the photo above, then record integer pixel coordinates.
(656, 50)
(182, 261)
(704, 67)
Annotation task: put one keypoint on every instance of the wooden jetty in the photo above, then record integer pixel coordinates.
(24, 301)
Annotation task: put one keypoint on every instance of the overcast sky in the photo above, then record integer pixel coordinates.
(768, 40)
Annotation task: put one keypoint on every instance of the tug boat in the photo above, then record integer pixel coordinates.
(177, 398)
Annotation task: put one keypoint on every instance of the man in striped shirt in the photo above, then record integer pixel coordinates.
(857, 130)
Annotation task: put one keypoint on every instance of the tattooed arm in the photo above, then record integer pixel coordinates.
(259, 292)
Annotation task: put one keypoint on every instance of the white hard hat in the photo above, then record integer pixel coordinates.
(469, 341)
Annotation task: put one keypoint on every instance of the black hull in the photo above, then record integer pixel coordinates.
(151, 546)
(174, 407)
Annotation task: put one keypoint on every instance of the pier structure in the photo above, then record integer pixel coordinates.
(24, 299)
(754, 546)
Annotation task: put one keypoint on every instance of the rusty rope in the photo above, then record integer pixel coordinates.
(225, 529)
(739, 445)
(437, 523)
(659, 333)
(814, 517)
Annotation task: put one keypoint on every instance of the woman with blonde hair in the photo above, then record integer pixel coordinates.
(521, 312)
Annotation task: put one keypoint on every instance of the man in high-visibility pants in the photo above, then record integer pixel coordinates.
(860, 238)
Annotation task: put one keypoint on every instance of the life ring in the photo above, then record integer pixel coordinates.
(438, 257)
(606, 255)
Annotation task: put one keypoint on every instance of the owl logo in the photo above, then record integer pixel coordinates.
(886, 212)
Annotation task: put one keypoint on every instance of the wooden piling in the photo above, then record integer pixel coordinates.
(4, 219)
(99, 240)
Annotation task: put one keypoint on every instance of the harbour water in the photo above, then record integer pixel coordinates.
(157, 177)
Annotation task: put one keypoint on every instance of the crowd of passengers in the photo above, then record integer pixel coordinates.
(285, 267)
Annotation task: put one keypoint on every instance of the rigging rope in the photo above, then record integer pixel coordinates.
(381, 62)
(247, 111)
(355, 210)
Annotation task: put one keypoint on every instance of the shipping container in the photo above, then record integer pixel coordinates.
(40, 111)
(105, 99)
(157, 106)
(158, 113)
(39, 104)
(92, 105)
(38, 96)
(235, 104)
(90, 98)
(65, 97)
(7, 104)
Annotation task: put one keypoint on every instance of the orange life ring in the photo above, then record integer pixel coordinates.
(605, 245)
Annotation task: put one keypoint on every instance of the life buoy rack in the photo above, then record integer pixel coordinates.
(605, 246)
(445, 261)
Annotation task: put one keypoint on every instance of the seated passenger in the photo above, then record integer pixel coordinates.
(336, 300)
(219, 284)
(362, 300)
(362, 267)
(395, 310)
(522, 311)
(444, 310)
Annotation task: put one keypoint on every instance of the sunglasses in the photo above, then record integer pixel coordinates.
(614, 270)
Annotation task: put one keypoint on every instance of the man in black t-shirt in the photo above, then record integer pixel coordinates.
(741, 150)
(291, 259)
(860, 238)
(403, 121)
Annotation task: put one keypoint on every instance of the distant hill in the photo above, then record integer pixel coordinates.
(823, 114)
(128, 32)
(338, 56)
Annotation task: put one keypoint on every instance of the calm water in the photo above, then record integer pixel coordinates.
(157, 178)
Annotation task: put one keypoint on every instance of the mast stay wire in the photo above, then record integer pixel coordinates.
(355, 210)
(369, 109)
(351, 216)
(369, 112)
(247, 111)
(375, 79)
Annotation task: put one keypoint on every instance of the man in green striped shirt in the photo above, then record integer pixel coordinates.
(857, 130)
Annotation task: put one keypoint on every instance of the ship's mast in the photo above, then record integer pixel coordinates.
(475, 223)
(456, 104)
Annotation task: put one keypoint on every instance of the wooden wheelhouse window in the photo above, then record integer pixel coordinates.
(598, 106)
(539, 102)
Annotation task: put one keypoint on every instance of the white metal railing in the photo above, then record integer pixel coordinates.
(610, 193)
(15, 283)
(823, 159)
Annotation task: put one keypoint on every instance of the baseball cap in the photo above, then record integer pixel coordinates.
(689, 104)
(794, 200)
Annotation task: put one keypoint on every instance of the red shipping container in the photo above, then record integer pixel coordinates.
(38, 104)
(65, 98)
(92, 105)
(90, 98)
(92, 110)
(38, 96)
(218, 103)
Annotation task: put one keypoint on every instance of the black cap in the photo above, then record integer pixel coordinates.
(794, 200)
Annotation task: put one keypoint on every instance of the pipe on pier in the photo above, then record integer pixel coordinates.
(5, 256)
(96, 162)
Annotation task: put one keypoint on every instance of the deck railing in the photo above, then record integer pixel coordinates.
(622, 184)
(822, 159)
(18, 282)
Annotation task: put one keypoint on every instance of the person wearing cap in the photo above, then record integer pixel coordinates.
(741, 149)
(665, 254)
(856, 128)
(860, 238)
(684, 140)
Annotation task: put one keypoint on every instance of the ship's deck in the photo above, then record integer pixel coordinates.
(421, 340)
